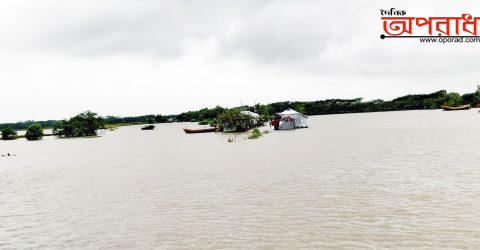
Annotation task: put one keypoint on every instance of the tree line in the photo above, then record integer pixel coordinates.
(84, 123)
(338, 106)
(108, 120)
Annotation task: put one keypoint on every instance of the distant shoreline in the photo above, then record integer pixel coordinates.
(323, 107)
(115, 126)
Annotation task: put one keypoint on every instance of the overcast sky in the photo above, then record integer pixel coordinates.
(120, 57)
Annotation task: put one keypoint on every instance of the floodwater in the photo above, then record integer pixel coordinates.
(375, 180)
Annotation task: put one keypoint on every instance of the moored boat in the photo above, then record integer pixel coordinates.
(199, 130)
(450, 108)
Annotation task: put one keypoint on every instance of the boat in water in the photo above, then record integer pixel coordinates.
(199, 130)
(450, 108)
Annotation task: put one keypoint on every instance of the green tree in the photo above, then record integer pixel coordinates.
(8, 134)
(476, 98)
(299, 107)
(34, 132)
(83, 124)
(263, 111)
(160, 119)
(453, 99)
(233, 119)
(430, 104)
(150, 120)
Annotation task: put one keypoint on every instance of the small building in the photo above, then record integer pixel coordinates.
(255, 116)
(291, 119)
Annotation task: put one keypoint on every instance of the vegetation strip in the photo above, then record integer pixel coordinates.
(85, 124)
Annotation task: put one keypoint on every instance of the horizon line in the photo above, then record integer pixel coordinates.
(173, 114)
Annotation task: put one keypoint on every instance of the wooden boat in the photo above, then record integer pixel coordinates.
(449, 108)
(199, 130)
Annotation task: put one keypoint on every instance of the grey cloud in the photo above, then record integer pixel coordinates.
(161, 28)
(277, 33)
(328, 49)
(262, 30)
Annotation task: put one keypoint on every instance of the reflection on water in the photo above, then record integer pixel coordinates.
(374, 180)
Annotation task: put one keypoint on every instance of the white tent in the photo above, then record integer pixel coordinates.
(250, 113)
(301, 121)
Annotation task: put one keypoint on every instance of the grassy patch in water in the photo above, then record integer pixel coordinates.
(255, 134)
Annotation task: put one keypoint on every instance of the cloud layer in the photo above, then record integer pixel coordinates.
(127, 57)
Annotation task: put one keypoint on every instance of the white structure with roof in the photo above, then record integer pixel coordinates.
(250, 113)
(300, 120)
(255, 116)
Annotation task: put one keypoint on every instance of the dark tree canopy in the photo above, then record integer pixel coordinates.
(8, 134)
(148, 127)
(83, 124)
(137, 119)
(234, 119)
(34, 132)
(338, 106)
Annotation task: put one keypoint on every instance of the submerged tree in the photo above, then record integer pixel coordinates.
(8, 134)
(235, 120)
(83, 124)
(148, 127)
(34, 132)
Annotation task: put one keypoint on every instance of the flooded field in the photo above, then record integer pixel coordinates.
(373, 180)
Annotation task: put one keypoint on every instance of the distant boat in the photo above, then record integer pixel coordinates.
(450, 108)
(199, 130)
